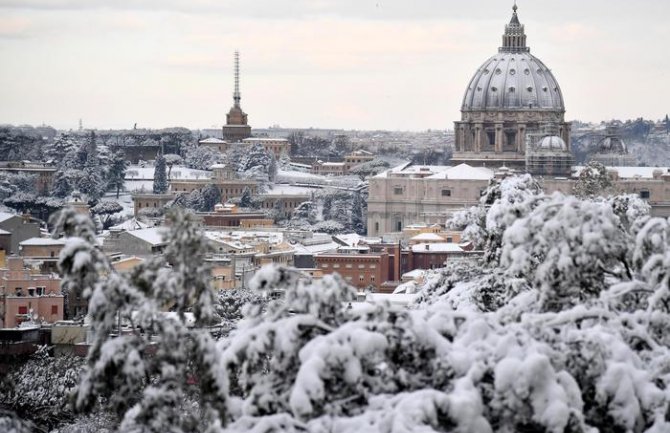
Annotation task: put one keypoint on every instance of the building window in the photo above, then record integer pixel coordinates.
(23, 310)
(324, 266)
(336, 266)
(450, 240)
(361, 277)
(446, 193)
(373, 266)
(645, 194)
(348, 266)
(398, 226)
(397, 190)
(377, 227)
(361, 266)
(372, 278)
(54, 309)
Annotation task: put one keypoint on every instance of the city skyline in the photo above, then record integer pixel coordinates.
(350, 65)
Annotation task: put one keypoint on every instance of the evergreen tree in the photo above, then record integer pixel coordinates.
(117, 172)
(161, 185)
(358, 224)
(211, 196)
(246, 199)
(57, 150)
(91, 183)
(144, 375)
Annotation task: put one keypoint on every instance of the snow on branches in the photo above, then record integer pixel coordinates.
(563, 328)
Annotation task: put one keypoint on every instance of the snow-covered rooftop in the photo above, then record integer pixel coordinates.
(465, 172)
(350, 239)
(282, 189)
(131, 224)
(212, 140)
(261, 139)
(428, 237)
(244, 237)
(309, 250)
(153, 235)
(459, 172)
(437, 247)
(42, 241)
(4, 216)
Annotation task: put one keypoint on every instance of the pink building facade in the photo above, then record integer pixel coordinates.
(25, 295)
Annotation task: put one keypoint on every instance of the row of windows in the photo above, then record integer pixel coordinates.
(347, 266)
(24, 309)
(361, 278)
(398, 190)
(287, 204)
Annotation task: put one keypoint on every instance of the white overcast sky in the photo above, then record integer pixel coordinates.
(354, 64)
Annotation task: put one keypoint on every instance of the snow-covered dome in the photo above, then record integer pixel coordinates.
(552, 142)
(513, 79)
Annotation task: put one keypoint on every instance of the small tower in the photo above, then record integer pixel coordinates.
(236, 128)
(514, 39)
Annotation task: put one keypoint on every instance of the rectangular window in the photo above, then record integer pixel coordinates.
(361, 277)
(446, 193)
(324, 266)
(348, 266)
(54, 309)
(397, 190)
(645, 194)
(373, 266)
(361, 266)
(23, 310)
(336, 266)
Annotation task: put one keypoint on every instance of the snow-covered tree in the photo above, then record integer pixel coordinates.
(358, 224)
(161, 184)
(500, 206)
(117, 172)
(211, 196)
(143, 375)
(565, 331)
(567, 248)
(594, 180)
(202, 157)
(171, 160)
(246, 198)
(105, 210)
(39, 389)
(21, 202)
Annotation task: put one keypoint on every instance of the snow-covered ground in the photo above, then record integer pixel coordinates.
(135, 172)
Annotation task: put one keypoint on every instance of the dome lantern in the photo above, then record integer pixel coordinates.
(514, 38)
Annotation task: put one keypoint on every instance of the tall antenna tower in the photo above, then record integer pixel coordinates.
(236, 94)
